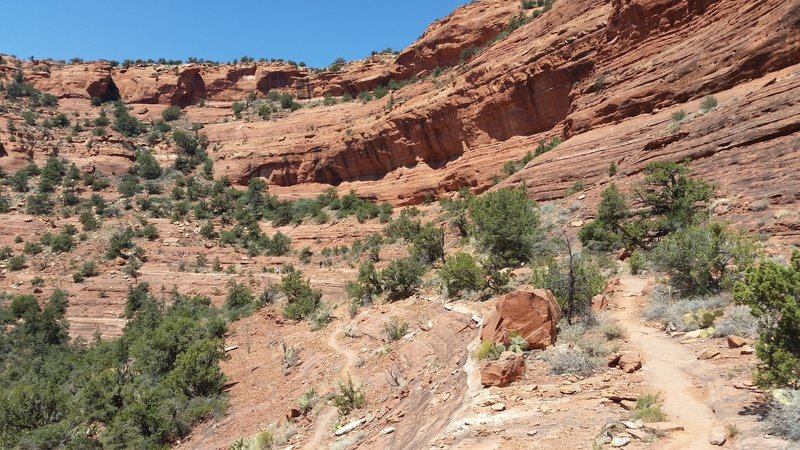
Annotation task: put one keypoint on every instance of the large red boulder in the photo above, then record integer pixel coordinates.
(534, 315)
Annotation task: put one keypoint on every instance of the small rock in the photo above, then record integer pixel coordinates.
(632, 425)
(506, 370)
(293, 414)
(569, 390)
(497, 407)
(639, 434)
(349, 427)
(576, 223)
(630, 362)
(708, 353)
(448, 307)
(736, 341)
(620, 441)
(717, 436)
(532, 432)
(388, 430)
(628, 405)
(746, 350)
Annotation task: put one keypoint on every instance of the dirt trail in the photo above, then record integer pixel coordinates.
(329, 414)
(665, 367)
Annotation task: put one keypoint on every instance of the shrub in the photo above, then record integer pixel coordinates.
(600, 83)
(573, 361)
(467, 54)
(678, 116)
(366, 286)
(52, 173)
(120, 240)
(738, 320)
(306, 402)
(59, 243)
(666, 201)
(171, 113)
(703, 259)
(403, 227)
(237, 108)
(146, 165)
(302, 300)
(89, 221)
(88, 270)
(19, 181)
(32, 248)
(783, 416)
(648, 408)
(348, 398)
(460, 272)
(129, 185)
(305, 255)
(772, 292)
(612, 169)
(38, 204)
(488, 350)
(16, 263)
(401, 277)
(394, 329)
(708, 103)
(506, 225)
(279, 245)
(125, 123)
(637, 262)
(668, 309)
(573, 281)
(101, 120)
(428, 244)
(287, 102)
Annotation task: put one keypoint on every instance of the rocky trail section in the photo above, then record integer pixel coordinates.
(665, 370)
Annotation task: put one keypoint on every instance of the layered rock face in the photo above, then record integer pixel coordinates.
(603, 76)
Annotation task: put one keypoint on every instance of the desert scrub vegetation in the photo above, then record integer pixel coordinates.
(772, 291)
(665, 201)
(574, 361)
(737, 320)
(584, 347)
(708, 104)
(703, 259)
(270, 438)
(349, 397)
(394, 329)
(573, 280)
(783, 414)
(146, 388)
(302, 300)
(684, 313)
(461, 272)
(648, 408)
(505, 224)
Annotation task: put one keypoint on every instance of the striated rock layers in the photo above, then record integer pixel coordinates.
(603, 76)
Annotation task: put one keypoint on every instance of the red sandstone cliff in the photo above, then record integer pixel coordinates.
(651, 58)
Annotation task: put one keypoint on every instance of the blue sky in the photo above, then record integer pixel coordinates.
(316, 32)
